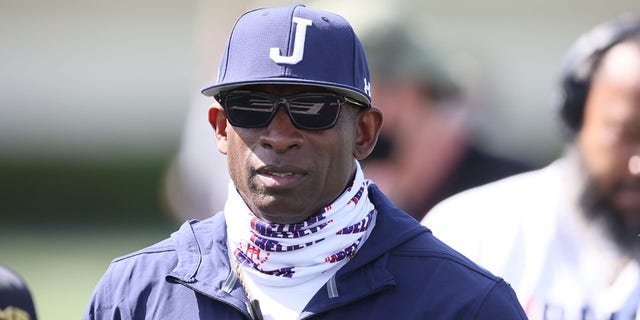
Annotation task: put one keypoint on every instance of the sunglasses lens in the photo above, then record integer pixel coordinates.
(249, 110)
(314, 112)
(308, 111)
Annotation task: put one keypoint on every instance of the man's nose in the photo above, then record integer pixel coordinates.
(281, 135)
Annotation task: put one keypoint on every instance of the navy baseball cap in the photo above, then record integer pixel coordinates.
(15, 297)
(294, 45)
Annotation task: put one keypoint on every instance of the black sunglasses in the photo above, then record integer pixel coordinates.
(309, 111)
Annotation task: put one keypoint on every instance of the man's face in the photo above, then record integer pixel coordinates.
(609, 140)
(286, 174)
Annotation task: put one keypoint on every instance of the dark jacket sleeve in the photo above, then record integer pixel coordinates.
(501, 303)
(103, 303)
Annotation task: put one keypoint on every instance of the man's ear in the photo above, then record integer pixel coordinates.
(368, 124)
(218, 120)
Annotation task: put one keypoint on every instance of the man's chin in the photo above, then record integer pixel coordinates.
(282, 214)
(622, 228)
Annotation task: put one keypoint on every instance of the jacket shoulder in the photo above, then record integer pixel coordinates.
(428, 265)
(161, 247)
(433, 252)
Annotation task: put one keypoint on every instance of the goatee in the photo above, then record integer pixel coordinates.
(598, 208)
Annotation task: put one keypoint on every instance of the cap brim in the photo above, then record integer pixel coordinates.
(213, 90)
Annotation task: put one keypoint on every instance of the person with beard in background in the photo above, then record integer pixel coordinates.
(567, 237)
(426, 150)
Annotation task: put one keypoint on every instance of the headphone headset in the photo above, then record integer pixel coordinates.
(581, 62)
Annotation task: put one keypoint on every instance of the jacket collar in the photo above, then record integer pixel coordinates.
(203, 262)
(368, 273)
(393, 227)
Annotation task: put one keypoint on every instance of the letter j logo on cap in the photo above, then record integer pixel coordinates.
(298, 44)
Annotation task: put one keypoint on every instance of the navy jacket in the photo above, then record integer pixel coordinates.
(401, 272)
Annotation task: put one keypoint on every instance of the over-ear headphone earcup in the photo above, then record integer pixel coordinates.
(574, 96)
(581, 62)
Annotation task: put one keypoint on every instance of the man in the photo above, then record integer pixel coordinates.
(302, 234)
(425, 152)
(567, 236)
(16, 302)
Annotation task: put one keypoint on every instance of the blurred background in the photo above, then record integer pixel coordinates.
(97, 96)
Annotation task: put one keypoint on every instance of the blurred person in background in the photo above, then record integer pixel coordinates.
(427, 150)
(194, 184)
(16, 302)
(567, 237)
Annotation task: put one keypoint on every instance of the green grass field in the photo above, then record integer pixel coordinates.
(63, 264)
(61, 223)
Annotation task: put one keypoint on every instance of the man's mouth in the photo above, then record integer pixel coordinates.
(283, 174)
(280, 177)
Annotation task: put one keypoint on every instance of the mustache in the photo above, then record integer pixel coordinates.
(632, 182)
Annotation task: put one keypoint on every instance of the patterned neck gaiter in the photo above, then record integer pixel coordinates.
(269, 253)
